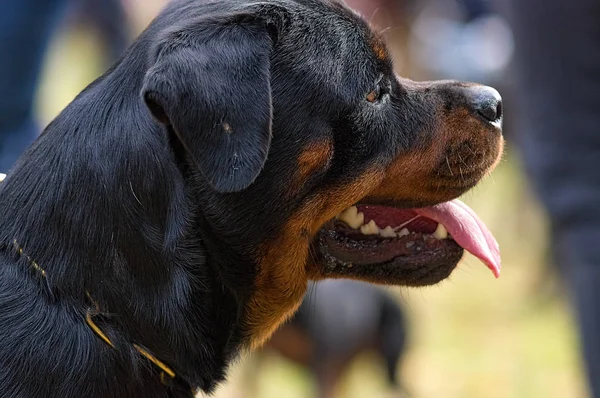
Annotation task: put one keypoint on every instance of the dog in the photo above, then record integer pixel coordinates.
(337, 321)
(172, 214)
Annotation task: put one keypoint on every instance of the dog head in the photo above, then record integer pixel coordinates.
(310, 158)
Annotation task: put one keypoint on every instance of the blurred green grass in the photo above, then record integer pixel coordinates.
(471, 336)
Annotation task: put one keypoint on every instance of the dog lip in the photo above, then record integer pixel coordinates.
(373, 250)
(425, 260)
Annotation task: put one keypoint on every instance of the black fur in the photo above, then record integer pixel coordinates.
(154, 188)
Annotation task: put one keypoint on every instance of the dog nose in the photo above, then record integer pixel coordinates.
(487, 102)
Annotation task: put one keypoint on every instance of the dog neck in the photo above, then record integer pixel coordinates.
(115, 220)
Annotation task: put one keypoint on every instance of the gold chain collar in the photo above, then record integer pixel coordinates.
(165, 370)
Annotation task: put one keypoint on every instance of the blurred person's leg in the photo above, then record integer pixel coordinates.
(25, 31)
(558, 70)
(475, 8)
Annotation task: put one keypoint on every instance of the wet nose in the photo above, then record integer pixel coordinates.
(487, 102)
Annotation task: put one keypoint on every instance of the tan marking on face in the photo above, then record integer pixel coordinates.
(498, 157)
(379, 49)
(283, 275)
(427, 174)
(313, 158)
(227, 128)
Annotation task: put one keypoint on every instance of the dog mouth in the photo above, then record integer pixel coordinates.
(404, 246)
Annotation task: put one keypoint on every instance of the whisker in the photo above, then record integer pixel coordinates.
(460, 168)
(389, 28)
(373, 15)
(449, 168)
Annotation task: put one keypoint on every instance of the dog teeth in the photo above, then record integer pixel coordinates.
(387, 232)
(2, 177)
(403, 232)
(441, 232)
(370, 229)
(352, 217)
(356, 220)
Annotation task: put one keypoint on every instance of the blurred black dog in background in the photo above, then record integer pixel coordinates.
(338, 321)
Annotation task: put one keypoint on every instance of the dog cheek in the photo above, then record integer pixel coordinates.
(283, 270)
(314, 158)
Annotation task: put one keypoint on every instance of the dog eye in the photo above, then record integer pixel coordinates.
(374, 95)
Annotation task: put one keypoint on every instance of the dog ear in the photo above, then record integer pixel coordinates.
(211, 85)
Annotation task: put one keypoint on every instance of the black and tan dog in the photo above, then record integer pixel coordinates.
(173, 213)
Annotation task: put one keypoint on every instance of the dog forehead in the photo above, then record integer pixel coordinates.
(323, 42)
(329, 42)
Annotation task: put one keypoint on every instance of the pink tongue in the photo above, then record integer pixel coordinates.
(467, 230)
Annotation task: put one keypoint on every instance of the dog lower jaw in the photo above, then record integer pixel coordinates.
(426, 261)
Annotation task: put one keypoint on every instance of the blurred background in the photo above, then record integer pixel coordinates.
(470, 336)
